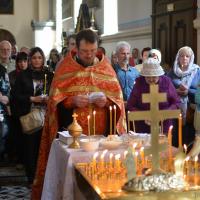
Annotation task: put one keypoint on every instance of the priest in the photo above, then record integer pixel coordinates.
(82, 83)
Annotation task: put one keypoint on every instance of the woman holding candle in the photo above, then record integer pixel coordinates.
(29, 93)
(152, 73)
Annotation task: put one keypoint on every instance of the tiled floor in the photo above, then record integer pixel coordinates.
(13, 183)
(14, 193)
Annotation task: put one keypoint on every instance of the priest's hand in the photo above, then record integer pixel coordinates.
(81, 101)
(101, 101)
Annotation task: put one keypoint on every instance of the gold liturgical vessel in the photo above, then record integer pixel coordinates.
(75, 131)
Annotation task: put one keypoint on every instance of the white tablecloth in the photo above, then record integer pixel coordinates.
(59, 182)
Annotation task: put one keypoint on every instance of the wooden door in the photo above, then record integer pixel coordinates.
(172, 27)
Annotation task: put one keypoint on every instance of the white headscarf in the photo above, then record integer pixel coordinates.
(188, 75)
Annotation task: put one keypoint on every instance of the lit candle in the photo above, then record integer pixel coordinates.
(104, 152)
(94, 114)
(170, 136)
(196, 170)
(180, 131)
(110, 120)
(115, 118)
(185, 148)
(45, 84)
(187, 165)
(117, 161)
(196, 166)
(94, 160)
(88, 117)
(110, 160)
(170, 146)
(136, 161)
(142, 157)
(134, 146)
(102, 162)
(125, 153)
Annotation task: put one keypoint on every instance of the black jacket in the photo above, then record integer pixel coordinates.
(23, 89)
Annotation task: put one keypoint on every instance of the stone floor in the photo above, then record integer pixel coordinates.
(13, 182)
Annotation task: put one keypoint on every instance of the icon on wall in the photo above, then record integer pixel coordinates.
(6, 7)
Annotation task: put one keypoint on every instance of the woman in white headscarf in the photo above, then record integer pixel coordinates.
(185, 76)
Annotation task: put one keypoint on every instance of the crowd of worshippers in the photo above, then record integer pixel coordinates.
(28, 80)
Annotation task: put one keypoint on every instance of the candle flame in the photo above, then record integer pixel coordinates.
(95, 155)
(125, 153)
(102, 156)
(187, 158)
(111, 156)
(136, 153)
(171, 127)
(94, 112)
(117, 157)
(196, 158)
(110, 107)
(185, 147)
(114, 107)
(88, 117)
(134, 145)
(104, 152)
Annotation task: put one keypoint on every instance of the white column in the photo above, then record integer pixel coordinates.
(58, 24)
(77, 4)
(110, 17)
(196, 24)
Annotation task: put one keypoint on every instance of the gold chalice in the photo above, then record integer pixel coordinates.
(75, 131)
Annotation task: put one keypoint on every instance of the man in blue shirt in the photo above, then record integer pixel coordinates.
(126, 74)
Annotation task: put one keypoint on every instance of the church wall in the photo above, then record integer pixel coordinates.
(19, 24)
(134, 24)
(133, 12)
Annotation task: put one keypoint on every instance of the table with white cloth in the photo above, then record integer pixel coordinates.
(60, 181)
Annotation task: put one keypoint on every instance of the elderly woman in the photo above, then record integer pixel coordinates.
(152, 73)
(185, 76)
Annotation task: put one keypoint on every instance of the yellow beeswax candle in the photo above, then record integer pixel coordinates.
(115, 118)
(142, 157)
(110, 108)
(88, 117)
(45, 84)
(180, 131)
(170, 146)
(94, 116)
